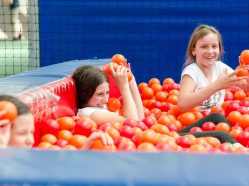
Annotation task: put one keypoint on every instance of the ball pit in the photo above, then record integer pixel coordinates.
(160, 168)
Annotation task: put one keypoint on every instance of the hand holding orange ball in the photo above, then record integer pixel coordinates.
(244, 57)
(118, 59)
(244, 64)
(241, 71)
(8, 112)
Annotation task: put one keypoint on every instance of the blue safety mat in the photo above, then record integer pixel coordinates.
(44, 75)
(37, 167)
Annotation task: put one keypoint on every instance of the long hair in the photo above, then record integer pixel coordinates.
(200, 32)
(87, 78)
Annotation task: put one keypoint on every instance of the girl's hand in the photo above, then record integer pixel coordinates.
(228, 81)
(245, 84)
(105, 138)
(120, 75)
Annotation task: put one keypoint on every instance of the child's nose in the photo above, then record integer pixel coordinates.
(30, 140)
(210, 49)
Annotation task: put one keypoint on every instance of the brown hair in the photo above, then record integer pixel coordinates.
(87, 78)
(200, 32)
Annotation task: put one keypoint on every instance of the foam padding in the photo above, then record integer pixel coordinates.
(83, 168)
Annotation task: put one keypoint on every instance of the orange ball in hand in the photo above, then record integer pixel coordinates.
(115, 66)
(119, 59)
(241, 71)
(8, 111)
(244, 57)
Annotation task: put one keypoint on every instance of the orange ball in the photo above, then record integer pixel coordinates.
(234, 117)
(64, 134)
(50, 138)
(97, 145)
(119, 59)
(113, 104)
(147, 93)
(187, 118)
(168, 81)
(66, 123)
(8, 111)
(44, 145)
(146, 147)
(78, 141)
(241, 71)
(214, 142)
(153, 81)
(141, 86)
(244, 121)
(244, 57)
(222, 126)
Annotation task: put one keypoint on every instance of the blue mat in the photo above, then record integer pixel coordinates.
(37, 167)
(38, 77)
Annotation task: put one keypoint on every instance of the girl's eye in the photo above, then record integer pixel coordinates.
(102, 94)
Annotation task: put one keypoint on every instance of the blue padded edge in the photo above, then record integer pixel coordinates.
(31, 79)
(35, 167)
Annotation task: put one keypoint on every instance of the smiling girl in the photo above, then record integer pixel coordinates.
(205, 76)
(93, 90)
(21, 132)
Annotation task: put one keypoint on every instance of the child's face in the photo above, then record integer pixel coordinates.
(4, 134)
(207, 50)
(100, 96)
(22, 131)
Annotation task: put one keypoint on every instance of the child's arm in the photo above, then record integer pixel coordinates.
(188, 99)
(120, 77)
(136, 95)
(137, 98)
